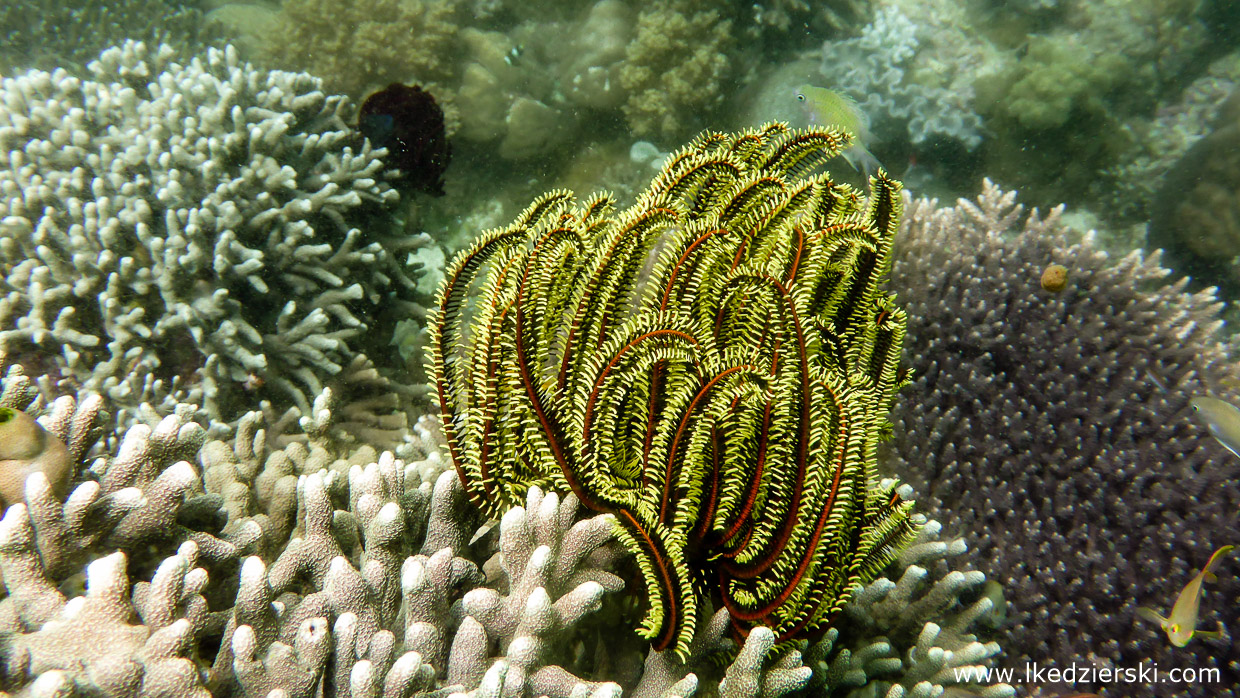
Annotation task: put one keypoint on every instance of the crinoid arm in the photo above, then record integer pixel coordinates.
(712, 365)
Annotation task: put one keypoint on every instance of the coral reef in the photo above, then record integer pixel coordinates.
(674, 67)
(273, 563)
(663, 68)
(712, 366)
(50, 35)
(359, 47)
(1157, 142)
(1195, 216)
(1057, 103)
(906, 80)
(204, 233)
(781, 19)
(1062, 421)
(894, 649)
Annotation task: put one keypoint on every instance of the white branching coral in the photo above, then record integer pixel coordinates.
(378, 618)
(915, 633)
(201, 233)
(261, 567)
(107, 642)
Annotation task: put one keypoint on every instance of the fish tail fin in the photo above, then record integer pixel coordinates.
(864, 160)
(1150, 614)
(1208, 570)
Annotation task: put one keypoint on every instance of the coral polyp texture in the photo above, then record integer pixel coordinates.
(1064, 420)
(243, 568)
(712, 366)
(203, 233)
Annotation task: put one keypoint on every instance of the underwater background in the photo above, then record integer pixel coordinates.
(223, 226)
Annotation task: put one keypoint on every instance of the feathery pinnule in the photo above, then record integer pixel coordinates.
(712, 365)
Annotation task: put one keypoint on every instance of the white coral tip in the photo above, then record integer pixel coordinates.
(253, 571)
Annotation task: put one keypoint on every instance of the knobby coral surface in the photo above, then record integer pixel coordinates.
(271, 566)
(203, 233)
(674, 68)
(712, 366)
(362, 46)
(1061, 422)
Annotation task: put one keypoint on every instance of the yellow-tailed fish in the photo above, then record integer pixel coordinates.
(1222, 419)
(1181, 624)
(830, 108)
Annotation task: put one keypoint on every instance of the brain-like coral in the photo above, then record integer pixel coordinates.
(674, 67)
(206, 232)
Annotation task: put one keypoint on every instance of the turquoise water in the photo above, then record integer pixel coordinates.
(215, 234)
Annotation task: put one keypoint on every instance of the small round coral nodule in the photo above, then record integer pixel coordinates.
(26, 448)
(1054, 278)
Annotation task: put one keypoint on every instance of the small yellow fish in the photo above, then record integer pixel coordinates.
(1222, 419)
(1181, 624)
(830, 108)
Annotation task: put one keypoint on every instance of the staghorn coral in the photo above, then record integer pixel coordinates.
(191, 233)
(1063, 421)
(734, 315)
(154, 635)
(389, 566)
(142, 500)
(904, 634)
(915, 630)
(147, 497)
(91, 645)
(493, 626)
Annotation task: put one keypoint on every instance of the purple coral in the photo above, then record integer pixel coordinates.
(1054, 430)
